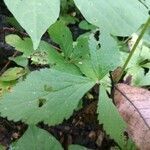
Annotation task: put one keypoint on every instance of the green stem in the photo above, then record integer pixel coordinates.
(134, 48)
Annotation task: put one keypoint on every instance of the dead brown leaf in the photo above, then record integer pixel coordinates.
(134, 106)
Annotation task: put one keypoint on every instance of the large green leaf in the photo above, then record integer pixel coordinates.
(119, 17)
(34, 16)
(37, 139)
(47, 95)
(108, 115)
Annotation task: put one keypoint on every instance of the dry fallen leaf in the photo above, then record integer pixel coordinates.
(134, 106)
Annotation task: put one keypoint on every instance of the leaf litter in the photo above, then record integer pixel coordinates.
(133, 103)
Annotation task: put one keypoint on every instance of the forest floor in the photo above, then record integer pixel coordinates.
(81, 128)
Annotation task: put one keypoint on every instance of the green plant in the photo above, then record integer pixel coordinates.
(52, 94)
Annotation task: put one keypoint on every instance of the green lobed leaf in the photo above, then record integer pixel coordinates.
(109, 116)
(117, 18)
(37, 139)
(44, 96)
(62, 36)
(34, 16)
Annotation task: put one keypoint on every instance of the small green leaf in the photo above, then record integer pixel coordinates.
(68, 19)
(20, 60)
(12, 74)
(34, 16)
(109, 116)
(62, 36)
(55, 89)
(86, 26)
(37, 139)
(24, 45)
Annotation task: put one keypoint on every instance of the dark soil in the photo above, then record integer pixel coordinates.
(81, 128)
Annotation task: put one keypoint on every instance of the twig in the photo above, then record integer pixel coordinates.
(13, 30)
